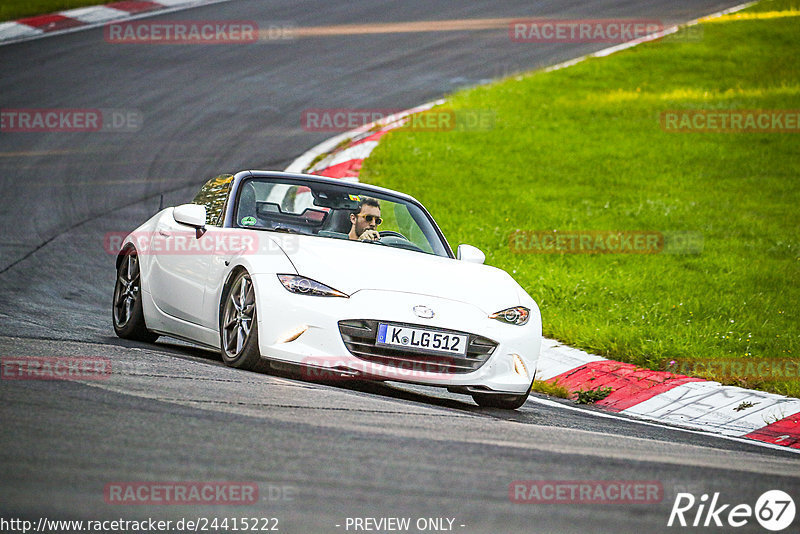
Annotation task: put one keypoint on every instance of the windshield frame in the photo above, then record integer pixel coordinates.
(309, 180)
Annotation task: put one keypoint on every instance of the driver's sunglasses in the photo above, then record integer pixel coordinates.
(369, 219)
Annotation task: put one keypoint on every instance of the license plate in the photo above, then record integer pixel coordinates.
(421, 340)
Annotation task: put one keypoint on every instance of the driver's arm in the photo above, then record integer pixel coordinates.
(369, 235)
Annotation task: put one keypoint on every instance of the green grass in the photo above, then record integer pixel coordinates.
(582, 149)
(590, 396)
(552, 389)
(14, 9)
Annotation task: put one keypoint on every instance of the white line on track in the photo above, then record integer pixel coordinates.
(605, 415)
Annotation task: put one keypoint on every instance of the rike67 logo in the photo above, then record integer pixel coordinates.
(774, 510)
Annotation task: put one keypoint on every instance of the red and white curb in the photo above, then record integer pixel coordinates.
(658, 396)
(341, 156)
(87, 17)
(675, 399)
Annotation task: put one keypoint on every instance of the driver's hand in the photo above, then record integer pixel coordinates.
(369, 235)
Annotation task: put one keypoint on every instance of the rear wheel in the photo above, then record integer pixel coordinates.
(239, 327)
(127, 311)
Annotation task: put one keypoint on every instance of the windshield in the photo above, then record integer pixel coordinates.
(324, 210)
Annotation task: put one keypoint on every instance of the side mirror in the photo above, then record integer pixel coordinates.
(470, 254)
(190, 214)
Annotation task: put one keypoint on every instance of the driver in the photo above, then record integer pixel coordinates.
(365, 220)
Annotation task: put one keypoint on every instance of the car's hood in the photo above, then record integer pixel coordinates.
(352, 266)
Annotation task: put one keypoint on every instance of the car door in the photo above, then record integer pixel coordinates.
(184, 255)
(181, 260)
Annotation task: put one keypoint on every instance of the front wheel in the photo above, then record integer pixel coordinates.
(239, 327)
(127, 313)
(504, 402)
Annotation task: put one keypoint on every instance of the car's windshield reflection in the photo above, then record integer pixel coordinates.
(336, 212)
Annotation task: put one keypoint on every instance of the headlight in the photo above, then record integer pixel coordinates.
(517, 315)
(307, 286)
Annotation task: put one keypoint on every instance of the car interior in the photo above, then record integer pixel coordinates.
(322, 212)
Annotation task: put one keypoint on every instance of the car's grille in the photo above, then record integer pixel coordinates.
(359, 336)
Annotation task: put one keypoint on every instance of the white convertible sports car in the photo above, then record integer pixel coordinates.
(334, 278)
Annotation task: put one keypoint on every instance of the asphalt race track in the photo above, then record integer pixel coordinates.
(320, 453)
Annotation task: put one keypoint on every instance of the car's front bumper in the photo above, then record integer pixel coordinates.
(321, 349)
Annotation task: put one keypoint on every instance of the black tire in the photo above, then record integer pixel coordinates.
(504, 402)
(126, 307)
(238, 329)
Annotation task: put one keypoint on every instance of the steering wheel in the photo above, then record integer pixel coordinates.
(387, 233)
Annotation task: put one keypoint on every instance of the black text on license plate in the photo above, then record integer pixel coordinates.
(421, 339)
